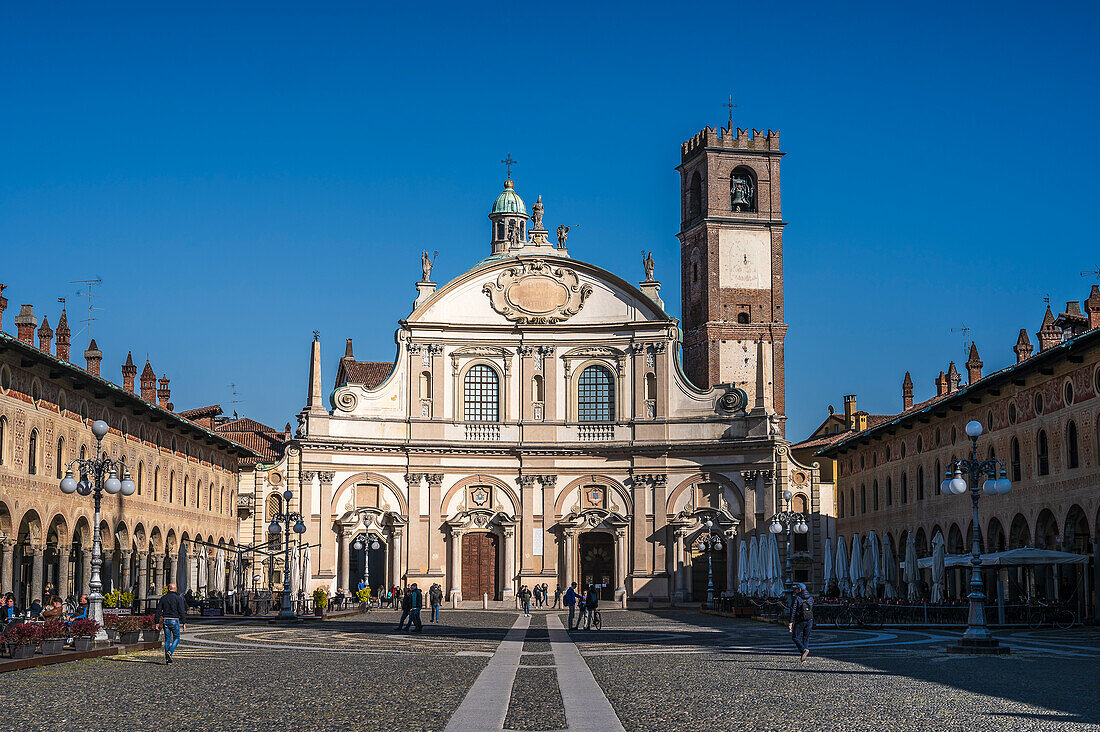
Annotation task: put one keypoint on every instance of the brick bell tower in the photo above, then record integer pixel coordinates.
(731, 247)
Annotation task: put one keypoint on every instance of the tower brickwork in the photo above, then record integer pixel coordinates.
(731, 245)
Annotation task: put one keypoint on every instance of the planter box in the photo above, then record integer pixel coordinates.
(149, 635)
(319, 612)
(128, 639)
(53, 646)
(84, 644)
(25, 650)
(112, 634)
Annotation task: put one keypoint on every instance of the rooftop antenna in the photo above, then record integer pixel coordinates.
(236, 398)
(731, 107)
(88, 292)
(1095, 274)
(966, 337)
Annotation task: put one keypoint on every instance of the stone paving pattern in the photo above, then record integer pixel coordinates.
(663, 670)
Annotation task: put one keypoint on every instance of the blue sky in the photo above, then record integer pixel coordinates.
(240, 174)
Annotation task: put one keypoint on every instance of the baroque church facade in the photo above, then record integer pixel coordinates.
(538, 424)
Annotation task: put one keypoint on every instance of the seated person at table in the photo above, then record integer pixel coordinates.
(36, 609)
(81, 608)
(55, 611)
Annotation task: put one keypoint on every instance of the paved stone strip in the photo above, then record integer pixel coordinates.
(586, 706)
(486, 704)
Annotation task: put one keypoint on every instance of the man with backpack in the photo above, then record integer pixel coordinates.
(571, 603)
(802, 619)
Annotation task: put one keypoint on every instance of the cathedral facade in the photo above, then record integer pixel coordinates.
(538, 424)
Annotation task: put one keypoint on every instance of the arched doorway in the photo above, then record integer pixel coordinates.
(700, 571)
(368, 563)
(597, 556)
(480, 565)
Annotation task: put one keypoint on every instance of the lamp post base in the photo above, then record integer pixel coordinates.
(990, 647)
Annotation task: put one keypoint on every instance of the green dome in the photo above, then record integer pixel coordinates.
(509, 202)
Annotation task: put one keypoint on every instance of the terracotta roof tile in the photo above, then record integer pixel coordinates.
(266, 441)
(368, 373)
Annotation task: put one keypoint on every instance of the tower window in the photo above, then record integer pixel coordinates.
(743, 190)
(743, 315)
(695, 197)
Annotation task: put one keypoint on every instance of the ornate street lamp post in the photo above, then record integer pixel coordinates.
(281, 522)
(96, 476)
(358, 545)
(977, 638)
(710, 542)
(788, 521)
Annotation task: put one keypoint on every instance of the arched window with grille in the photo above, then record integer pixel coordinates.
(3, 438)
(32, 453)
(595, 395)
(863, 498)
(172, 486)
(1016, 469)
(920, 483)
(140, 477)
(1073, 456)
(60, 457)
(481, 392)
(1043, 453)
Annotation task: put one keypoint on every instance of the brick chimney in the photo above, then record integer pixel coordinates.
(164, 393)
(25, 324)
(941, 384)
(148, 384)
(93, 356)
(1023, 347)
(1048, 333)
(907, 392)
(45, 336)
(63, 335)
(954, 378)
(3, 304)
(1092, 307)
(973, 365)
(129, 371)
(850, 410)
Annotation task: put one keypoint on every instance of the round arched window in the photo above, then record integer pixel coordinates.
(1039, 403)
(1067, 391)
(596, 395)
(481, 391)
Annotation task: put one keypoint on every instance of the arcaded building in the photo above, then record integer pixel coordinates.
(186, 475)
(1041, 417)
(538, 423)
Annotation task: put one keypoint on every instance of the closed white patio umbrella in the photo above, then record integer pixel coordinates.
(219, 570)
(855, 566)
(875, 575)
(912, 576)
(307, 568)
(889, 571)
(829, 559)
(754, 566)
(938, 571)
(183, 564)
(777, 568)
(743, 568)
(295, 577)
(843, 581)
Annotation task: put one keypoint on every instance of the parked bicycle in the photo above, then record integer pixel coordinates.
(597, 620)
(1049, 613)
(860, 615)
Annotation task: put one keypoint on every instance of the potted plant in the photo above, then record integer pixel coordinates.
(110, 626)
(129, 629)
(23, 639)
(320, 601)
(364, 598)
(149, 632)
(53, 633)
(84, 631)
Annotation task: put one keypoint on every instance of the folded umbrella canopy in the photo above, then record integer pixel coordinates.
(856, 566)
(743, 568)
(183, 571)
(876, 566)
(912, 577)
(292, 570)
(776, 589)
(754, 566)
(219, 570)
(890, 571)
(938, 570)
(829, 574)
(307, 568)
(843, 581)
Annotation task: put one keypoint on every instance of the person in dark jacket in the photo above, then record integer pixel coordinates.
(81, 608)
(410, 609)
(591, 604)
(802, 619)
(570, 600)
(172, 615)
(435, 597)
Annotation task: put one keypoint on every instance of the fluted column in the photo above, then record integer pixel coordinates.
(678, 560)
(456, 565)
(620, 563)
(36, 575)
(63, 570)
(509, 589)
(570, 538)
(395, 558)
(345, 564)
(7, 551)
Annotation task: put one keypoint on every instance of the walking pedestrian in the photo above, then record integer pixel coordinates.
(525, 599)
(172, 615)
(417, 603)
(802, 619)
(591, 604)
(557, 596)
(571, 603)
(435, 597)
(406, 609)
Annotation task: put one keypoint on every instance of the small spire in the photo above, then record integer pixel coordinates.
(907, 391)
(973, 365)
(1023, 347)
(63, 336)
(45, 336)
(347, 350)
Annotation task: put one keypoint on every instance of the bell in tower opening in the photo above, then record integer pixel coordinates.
(742, 192)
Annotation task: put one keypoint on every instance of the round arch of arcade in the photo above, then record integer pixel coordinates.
(367, 477)
(595, 533)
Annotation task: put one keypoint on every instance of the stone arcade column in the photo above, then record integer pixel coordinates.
(620, 565)
(85, 569)
(125, 561)
(570, 538)
(63, 570)
(7, 551)
(731, 560)
(36, 575)
(143, 577)
(158, 574)
(173, 567)
(395, 556)
(678, 562)
(509, 589)
(456, 565)
(345, 559)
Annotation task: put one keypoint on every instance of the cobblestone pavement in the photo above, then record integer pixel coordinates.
(665, 670)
